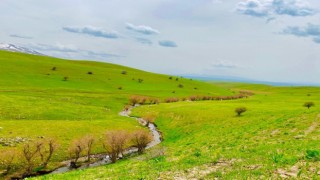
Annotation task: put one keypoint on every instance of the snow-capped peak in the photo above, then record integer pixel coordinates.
(14, 48)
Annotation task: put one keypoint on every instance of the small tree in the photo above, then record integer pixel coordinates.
(66, 78)
(54, 68)
(309, 104)
(75, 151)
(114, 144)
(140, 139)
(124, 72)
(240, 110)
(149, 118)
(7, 160)
(140, 80)
(46, 151)
(30, 152)
(88, 143)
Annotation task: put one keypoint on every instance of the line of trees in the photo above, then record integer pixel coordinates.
(35, 156)
(143, 100)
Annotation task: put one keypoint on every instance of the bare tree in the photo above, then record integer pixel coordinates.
(29, 152)
(7, 159)
(46, 151)
(115, 143)
(140, 139)
(88, 143)
(75, 151)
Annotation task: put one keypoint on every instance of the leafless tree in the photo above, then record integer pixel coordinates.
(46, 151)
(140, 139)
(29, 152)
(7, 159)
(115, 143)
(88, 142)
(75, 151)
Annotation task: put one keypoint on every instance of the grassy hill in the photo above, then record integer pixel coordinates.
(276, 138)
(38, 101)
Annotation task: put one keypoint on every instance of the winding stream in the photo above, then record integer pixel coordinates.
(104, 159)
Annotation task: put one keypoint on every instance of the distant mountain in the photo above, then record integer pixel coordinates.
(245, 80)
(14, 48)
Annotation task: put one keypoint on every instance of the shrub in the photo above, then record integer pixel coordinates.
(120, 88)
(149, 118)
(240, 110)
(88, 142)
(313, 155)
(193, 98)
(29, 153)
(180, 86)
(75, 151)
(170, 77)
(7, 160)
(46, 151)
(140, 139)
(133, 100)
(140, 80)
(309, 104)
(90, 73)
(54, 68)
(124, 72)
(66, 78)
(170, 100)
(114, 144)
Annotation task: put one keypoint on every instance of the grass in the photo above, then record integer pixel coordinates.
(273, 137)
(37, 101)
(202, 139)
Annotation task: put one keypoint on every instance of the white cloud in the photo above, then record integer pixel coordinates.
(142, 29)
(92, 31)
(264, 8)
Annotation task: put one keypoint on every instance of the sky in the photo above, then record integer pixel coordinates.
(267, 40)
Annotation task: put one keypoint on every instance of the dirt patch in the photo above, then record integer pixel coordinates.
(198, 172)
(275, 132)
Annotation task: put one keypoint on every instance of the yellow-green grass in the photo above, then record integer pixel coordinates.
(273, 134)
(35, 101)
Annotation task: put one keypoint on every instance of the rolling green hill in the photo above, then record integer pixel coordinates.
(276, 138)
(37, 101)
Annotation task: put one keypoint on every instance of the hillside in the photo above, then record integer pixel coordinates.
(276, 138)
(37, 101)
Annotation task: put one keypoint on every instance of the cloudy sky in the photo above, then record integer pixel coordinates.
(272, 40)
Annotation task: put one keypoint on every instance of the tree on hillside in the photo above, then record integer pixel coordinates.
(240, 110)
(29, 152)
(46, 151)
(115, 143)
(309, 104)
(75, 151)
(88, 142)
(140, 139)
(7, 160)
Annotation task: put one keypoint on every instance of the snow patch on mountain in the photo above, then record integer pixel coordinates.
(14, 48)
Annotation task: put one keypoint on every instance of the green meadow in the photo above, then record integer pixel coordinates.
(276, 138)
(37, 102)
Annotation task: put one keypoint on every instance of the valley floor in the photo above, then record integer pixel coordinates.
(276, 138)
